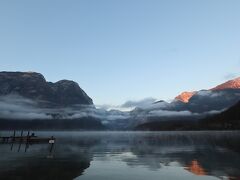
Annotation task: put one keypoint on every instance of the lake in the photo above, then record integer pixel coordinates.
(125, 156)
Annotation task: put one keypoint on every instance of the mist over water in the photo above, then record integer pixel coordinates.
(126, 155)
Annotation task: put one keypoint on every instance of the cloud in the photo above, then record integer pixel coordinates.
(140, 104)
(18, 107)
(209, 94)
(109, 107)
(97, 113)
(129, 105)
(212, 112)
(166, 113)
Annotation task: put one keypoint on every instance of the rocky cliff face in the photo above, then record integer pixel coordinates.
(185, 96)
(34, 86)
(232, 84)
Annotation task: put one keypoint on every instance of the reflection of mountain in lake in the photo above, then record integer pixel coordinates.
(196, 168)
(217, 155)
(201, 154)
(39, 168)
(37, 163)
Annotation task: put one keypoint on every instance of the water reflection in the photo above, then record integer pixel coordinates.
(127, 155)
(195, 168)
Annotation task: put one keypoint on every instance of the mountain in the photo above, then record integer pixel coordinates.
(28, 101)
(229, 119)
(185, 96)
(215, 99)
(188, 108)
(231, 84)
(206, 100)
(33, 85)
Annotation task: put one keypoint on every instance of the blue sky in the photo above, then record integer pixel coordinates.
(119, 50)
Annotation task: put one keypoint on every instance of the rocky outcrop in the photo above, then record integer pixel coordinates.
(34, 86)
(69, 92)
(232, 84)
(185, 96)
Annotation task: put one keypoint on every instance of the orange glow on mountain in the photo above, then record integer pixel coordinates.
(196, 168)
(232, 84)
(185, 96)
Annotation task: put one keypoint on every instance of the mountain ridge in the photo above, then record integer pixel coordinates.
(33, 85)
(230, 84)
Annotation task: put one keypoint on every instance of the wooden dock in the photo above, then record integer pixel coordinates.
(26, 139)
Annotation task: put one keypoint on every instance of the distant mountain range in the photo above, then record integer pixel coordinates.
(188, 108)
(27, 100)
(33, 85)
(215, 99)
(231, 84)
(227, 120)
(214, 109)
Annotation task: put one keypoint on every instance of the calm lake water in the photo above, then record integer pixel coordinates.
(125, 156)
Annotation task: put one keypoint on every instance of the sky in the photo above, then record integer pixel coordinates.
(121, 50)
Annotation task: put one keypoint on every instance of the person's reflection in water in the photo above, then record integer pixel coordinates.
(51, 144)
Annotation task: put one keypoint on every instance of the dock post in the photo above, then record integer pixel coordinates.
(27, 141)
(19, 147)
(51, 141)
(13, 139)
